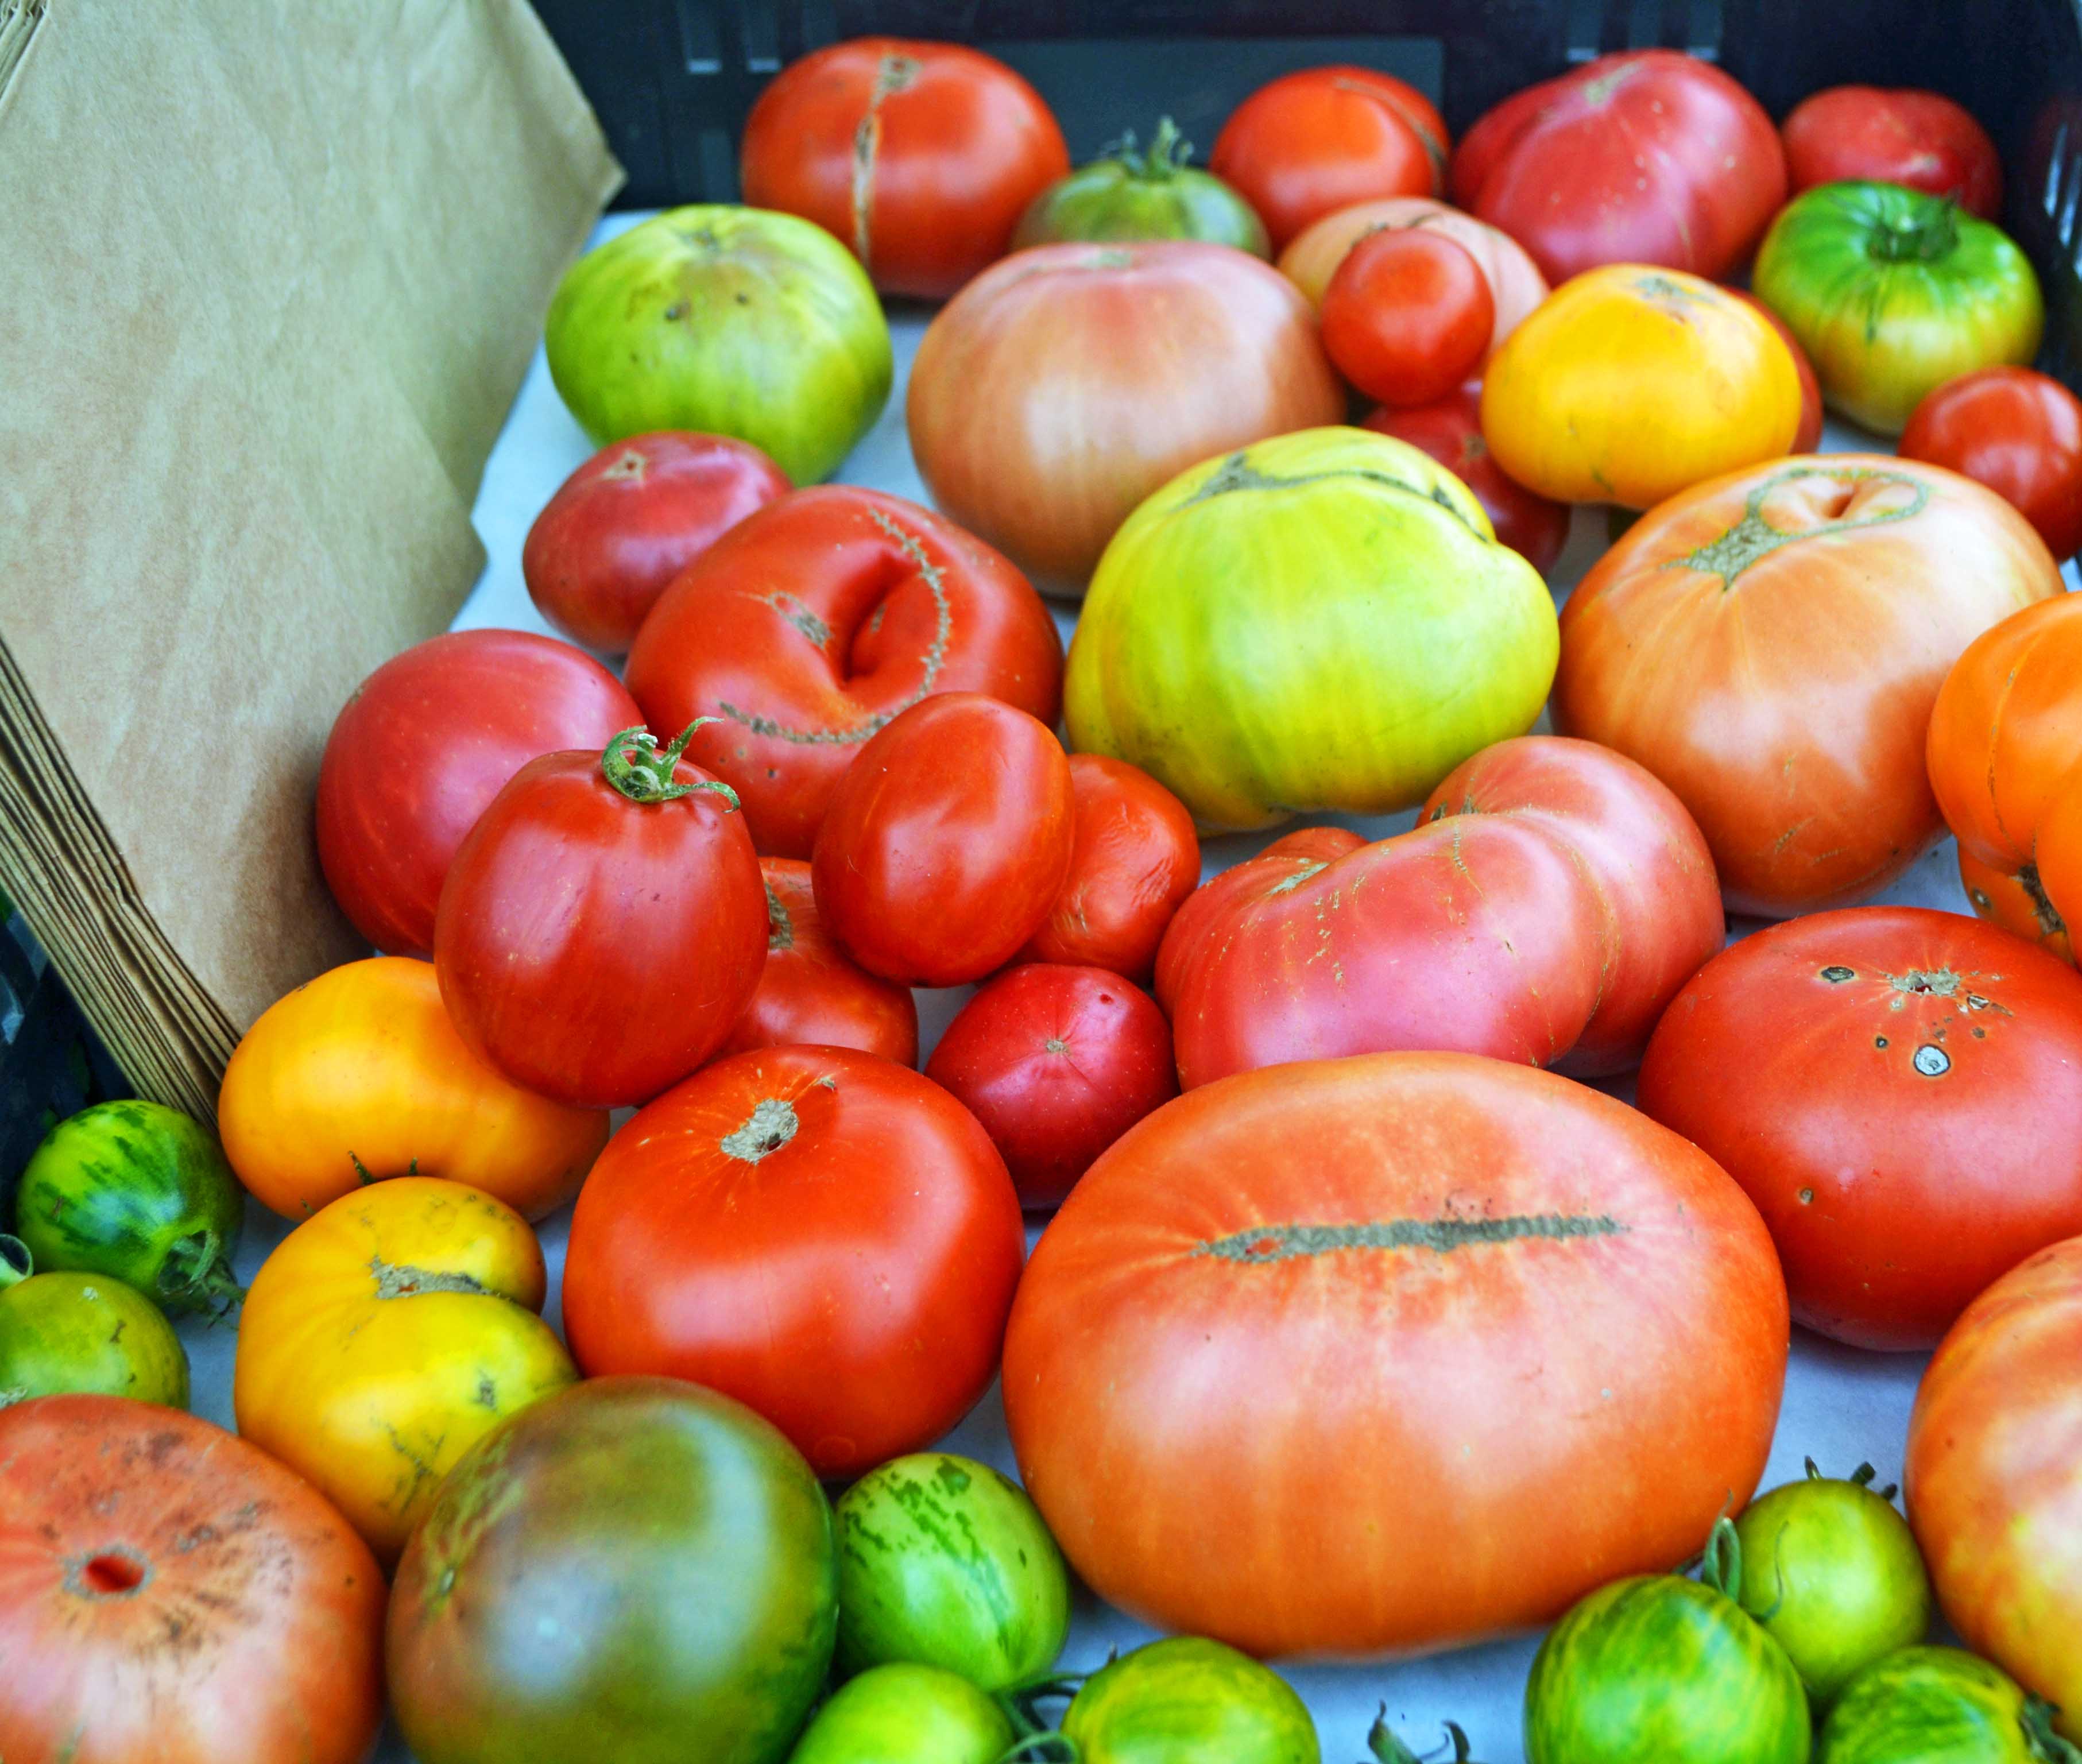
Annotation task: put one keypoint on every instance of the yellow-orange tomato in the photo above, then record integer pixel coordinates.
(1631, 383)
(384, 1337)
(360, 1077)
(2005, 759)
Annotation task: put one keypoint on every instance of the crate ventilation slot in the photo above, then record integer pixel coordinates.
(1600, 27)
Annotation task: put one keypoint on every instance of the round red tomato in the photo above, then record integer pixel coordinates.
(629, 519)
(921, 156)
(1407, 315)
(422, 748)
(1322, 139)
(604, 925)
(169, 1592)
(1921, 139)
(1355, 1354)
(1650, 157)
(1057, 1063)
(1134, 858)
(1899, 1091)
(2018, 431)
(1808, 436)
(822, 1234)
(1450, 430)
(947, 841)
(809, 625)
(810, 993)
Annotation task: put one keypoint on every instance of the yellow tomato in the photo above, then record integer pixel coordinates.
(1630, 383)
(360, 1076)
(384, 1337)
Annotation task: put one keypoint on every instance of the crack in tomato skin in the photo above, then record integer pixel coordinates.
(1265, 1244)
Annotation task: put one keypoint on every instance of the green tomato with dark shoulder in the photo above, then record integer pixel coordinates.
(1189, 1701)
(70, 1333)
(906, 1714)
(728, 320)
(1892, 292)
(141, 1194)
(1154, 194)
(1939, 1706)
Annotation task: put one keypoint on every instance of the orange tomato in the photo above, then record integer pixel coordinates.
(360, 1076)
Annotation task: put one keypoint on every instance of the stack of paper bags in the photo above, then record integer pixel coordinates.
(271, 271)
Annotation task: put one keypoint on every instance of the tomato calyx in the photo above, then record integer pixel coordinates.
(16, 1263)
(1385, 1746)
(640, 770)
(196, 1275)
(1753, 538)
(1720, 1565)
(1919, 235)
(1860, 1478)
(2044, 1745)
(1267, 1243)
(1168, 153)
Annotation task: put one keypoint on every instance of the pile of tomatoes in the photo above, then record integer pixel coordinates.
(1370, 1317)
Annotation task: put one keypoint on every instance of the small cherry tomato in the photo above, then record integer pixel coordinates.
(2018, 431)
(1808, 436)
(1450, 430)
(1408, 315)
(1921, 139)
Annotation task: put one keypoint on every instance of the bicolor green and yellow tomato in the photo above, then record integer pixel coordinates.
(1938, 1706)
(1321, 621)
(1189, 1701)
(71, 1333)
(904, 1713)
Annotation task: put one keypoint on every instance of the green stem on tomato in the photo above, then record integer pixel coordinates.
(640, 769)
(1922, 236)
(1721, 1567)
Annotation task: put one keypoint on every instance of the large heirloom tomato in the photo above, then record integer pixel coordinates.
(1647, 158)
(827, 1237)
(1899, 1091)
(2005, 759)
(1994, 1476)
(1549, 902)
(1061, 387)
(360, 1076)
(422, 748)
(169, 1594)
(921, 156)
(806, 628)
(385, 1337)
(1323, 621)
(1769, 644)
(2018, 431)
(1266, 1376)
(1451, 432)
(1921, 139)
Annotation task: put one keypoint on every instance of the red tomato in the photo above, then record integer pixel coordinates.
(947, 841)
(921, 156)
(1391, 1352)
(422, 748)
(604, 925)
(1057, 1063)
(1550, 901)
(828, 1238)
(1921, 139)
(1407, 315)
(1134, 858)
(1899, 1091)
(2018, 431)
(811, 993)
(170, 1594)
(1450, 430)
(1322, 139)
(632, 517)
(1808, 436)
(806, 627)
(1650, 157)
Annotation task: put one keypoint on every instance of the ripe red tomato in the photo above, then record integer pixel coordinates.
(1057, 1063)
(809, 625)
(629, 519)
(921, 156)
(170, 1594)
(1549, 902)
(1808, 436)
(947, 841)
(1650, 157)
(1322, 139)
(1450, 430)
(1921, 139)
(1407, 315)
(603, 927)
(810, 993)
(1899, 1091)
(1134, 858)
(1361, 1354)
(825, 1236)
(422, 748)
(2018, 431)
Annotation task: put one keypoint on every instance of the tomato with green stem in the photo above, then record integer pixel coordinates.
(1152, 193)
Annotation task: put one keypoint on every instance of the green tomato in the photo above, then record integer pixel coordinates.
(732, 321)
(1892, 292)
(1155, 194)
(1321, 621)
(1939, 1706)
(1187, 1701)
(1831, 1571)
(906, 1714)
(74, 1332)
(140, 1193)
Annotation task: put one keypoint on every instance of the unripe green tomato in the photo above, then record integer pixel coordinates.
(1938, 1706)
(1188, 1701)
(1151, 194)
(69, 1332)
(906, 1714)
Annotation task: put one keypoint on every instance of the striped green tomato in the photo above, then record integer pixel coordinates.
(1188, 1701)
(906, 1714)
(69, 1332)
(1939, 1706)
